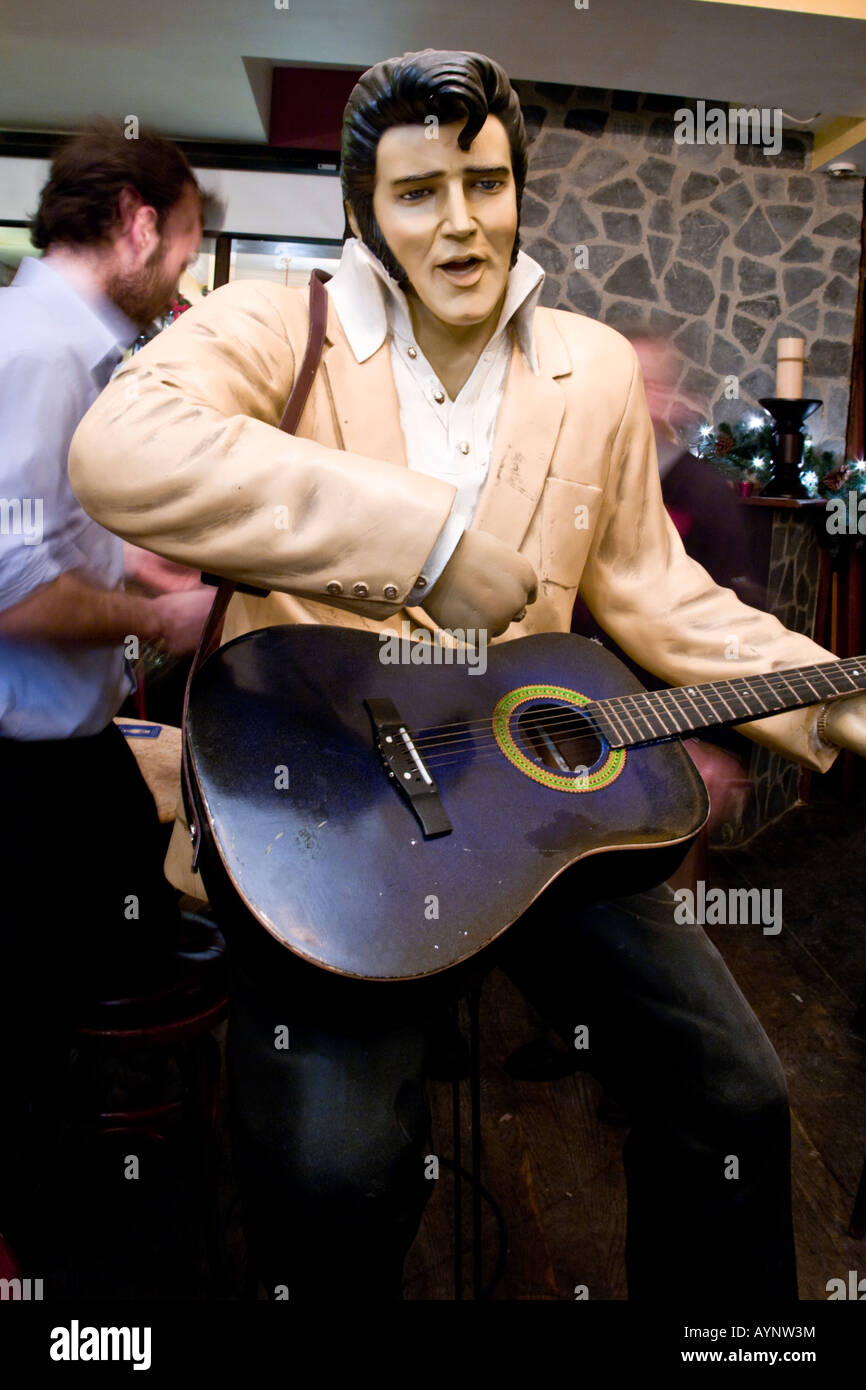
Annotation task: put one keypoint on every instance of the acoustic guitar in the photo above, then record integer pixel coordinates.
(386, 813)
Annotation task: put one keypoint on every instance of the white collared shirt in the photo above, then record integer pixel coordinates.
(448, 439)
(57, 351)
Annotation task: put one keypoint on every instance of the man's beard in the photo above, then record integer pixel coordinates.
(145, 295)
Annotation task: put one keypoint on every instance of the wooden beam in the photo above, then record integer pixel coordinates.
(833, 139)
(831, 9)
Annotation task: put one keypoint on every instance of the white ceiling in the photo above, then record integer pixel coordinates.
(181, 69)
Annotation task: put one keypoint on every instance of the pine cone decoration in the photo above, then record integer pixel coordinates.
(724, 443)
(837, 477)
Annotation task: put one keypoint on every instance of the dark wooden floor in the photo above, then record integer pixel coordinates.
(550, 1162)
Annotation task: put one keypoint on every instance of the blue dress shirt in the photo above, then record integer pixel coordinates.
(57, 352)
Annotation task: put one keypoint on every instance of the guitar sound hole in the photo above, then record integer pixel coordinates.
(559, 737)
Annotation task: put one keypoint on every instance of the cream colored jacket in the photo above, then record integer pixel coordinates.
(181, 454)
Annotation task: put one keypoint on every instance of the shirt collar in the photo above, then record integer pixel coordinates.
(102, 329)
(369, 302)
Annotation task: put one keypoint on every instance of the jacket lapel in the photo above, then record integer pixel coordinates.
(526, 432)
(366, 409)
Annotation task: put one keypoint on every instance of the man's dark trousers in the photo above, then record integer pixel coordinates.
(86, 914)
(329, 1133)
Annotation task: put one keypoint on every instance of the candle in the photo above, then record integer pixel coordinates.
(791, 354)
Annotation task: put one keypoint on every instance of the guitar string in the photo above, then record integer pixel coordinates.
(712, 691)
(480, 744)
(585, 750)
(713, 688)
(564, 720)
(489, 753)
(665, 700)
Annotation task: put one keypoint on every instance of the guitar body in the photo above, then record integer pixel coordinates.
(330, 858)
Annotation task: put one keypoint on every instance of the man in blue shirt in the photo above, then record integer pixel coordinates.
(87, 911)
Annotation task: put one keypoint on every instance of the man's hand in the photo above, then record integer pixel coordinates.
(156, 574)
(845, 724)
(181, 617)
(485, 585)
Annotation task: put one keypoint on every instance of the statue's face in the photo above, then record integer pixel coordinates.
(449, 216)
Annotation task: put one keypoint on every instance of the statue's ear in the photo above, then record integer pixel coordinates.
(352, 221)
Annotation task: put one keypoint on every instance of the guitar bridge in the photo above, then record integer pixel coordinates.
(405, 765)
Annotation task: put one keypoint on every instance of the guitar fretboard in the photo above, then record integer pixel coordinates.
(629, 721)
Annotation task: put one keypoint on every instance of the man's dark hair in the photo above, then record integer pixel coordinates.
(79, 204)
(403, 91)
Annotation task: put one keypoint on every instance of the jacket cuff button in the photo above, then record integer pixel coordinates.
(421, 581)
(390, 592)
(361, 590)
(334, 587)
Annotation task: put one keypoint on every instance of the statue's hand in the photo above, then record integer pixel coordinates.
(845, 724)
(485, 586)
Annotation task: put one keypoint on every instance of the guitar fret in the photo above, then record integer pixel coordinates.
(687, 691)
(653, 716)
(857, 671)
(625, 703)
(780, 675)
(602, 713)
(639, 702)
(715, 714)
(669, 708)
(777, 694)
(692, 691)
(852, 684)
(695, 708)
(812, 688)
(803, 690)
(753, 690)
(732, 697)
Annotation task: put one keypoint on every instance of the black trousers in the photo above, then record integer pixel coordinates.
(85, 913)
(329, 1132)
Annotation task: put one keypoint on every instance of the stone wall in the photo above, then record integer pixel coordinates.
(721, 247)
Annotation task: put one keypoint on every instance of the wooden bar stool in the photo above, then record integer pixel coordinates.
(178, 1021)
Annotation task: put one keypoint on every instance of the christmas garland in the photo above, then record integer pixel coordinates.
(743, 453)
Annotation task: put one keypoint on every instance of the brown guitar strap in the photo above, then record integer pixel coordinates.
(212, 630)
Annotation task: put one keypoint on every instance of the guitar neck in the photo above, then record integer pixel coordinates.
(630, 721)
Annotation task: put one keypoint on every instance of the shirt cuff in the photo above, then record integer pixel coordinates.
(438, 558)
(821, 729)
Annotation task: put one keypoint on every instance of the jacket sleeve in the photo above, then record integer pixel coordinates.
(182, 454)
(665, 610)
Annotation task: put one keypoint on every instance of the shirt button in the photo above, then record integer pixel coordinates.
(361, 589)
(438, 396)
(463, 447)
(390, 591)
(334, 587)
(413, 352)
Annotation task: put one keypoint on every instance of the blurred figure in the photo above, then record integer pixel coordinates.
(712, 524)
(702, 506)
(87, 912)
